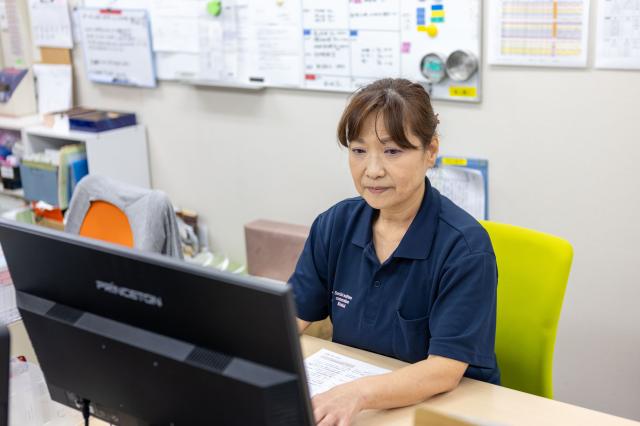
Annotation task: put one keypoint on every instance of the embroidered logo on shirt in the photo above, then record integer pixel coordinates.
(342, 299)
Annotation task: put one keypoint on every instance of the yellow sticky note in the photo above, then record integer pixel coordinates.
(463, 92)
(432, 30)
(422, 28)
(452, 161)
(437, 13)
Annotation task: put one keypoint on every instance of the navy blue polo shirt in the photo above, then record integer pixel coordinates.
(435, 295)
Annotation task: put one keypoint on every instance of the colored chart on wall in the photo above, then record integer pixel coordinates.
(539, 32)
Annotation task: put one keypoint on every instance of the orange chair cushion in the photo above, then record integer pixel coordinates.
(106, 222)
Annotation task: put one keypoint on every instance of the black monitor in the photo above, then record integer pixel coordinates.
(5, 350)
(147, 339)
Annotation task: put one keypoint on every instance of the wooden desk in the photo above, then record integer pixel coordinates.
(474, 400)
(471, 399)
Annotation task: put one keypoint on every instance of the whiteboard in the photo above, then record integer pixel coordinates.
(327, 45)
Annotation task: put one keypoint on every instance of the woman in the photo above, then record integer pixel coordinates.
(401, 270)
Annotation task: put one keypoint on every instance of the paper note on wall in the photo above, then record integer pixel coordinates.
(463, 186)
(349, 44)
(54, 84)
(378, 15)
(174, 25)
(14, 35)
(325, 14)
(375, 54)
(117, 46)
(50, 23)
(277, 41)
(618, 34)
(211, 49)
(176, 66)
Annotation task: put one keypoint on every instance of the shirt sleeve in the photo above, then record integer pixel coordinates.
(309, 280)
(463, 318)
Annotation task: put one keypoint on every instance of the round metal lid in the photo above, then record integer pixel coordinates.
(433, 68)
(461, 65)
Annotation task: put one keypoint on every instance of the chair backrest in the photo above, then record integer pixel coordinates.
(118, 212)
(106, 222)
(533, 269)
(273, 249)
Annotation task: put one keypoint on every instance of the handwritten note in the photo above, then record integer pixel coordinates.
(117, 46)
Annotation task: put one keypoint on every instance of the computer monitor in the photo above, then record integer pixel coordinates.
(5, 351)
(148, 339)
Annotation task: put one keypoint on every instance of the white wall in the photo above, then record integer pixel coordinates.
(563, 147)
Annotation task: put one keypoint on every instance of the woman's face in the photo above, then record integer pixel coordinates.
(387, 176)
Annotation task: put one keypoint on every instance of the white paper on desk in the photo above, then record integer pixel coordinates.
(326, 369)
(50, 23)
(463, 186)
(54, 85)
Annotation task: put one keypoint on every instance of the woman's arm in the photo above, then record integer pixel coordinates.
(407, 386)
(302, 325)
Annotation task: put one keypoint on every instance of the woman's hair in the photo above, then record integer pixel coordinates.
(404, 106)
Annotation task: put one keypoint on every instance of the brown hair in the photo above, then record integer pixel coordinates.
(403, 104)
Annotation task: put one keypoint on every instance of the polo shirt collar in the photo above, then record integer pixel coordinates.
(417, 241)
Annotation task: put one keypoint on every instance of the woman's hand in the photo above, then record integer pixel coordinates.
(338, 406)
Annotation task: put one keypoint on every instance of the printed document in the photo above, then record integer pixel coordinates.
(327, 369)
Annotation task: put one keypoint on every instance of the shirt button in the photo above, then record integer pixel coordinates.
(377, 284)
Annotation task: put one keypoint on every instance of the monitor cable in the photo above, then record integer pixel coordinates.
(86, 411)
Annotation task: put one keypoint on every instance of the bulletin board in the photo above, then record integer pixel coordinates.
(326, 45)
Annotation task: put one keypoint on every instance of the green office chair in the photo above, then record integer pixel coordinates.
(533, 269)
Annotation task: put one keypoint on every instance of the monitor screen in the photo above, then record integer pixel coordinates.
(147, 339)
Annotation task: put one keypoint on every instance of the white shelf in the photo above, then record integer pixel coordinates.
(19, 123)
(17, 193)
(75, 135)
(119, 153)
